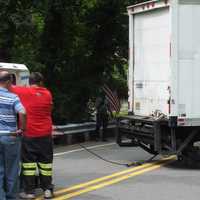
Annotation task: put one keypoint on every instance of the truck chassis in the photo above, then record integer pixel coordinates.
(158, 136)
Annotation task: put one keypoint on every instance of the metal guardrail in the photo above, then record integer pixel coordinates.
(70, 128)
(77, 128)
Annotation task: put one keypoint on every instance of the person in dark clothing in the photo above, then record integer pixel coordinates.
(102, 116)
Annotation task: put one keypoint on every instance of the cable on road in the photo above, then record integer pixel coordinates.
(134, 163)
(141, 163)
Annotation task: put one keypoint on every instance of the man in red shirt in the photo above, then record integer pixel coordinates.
(37, 150)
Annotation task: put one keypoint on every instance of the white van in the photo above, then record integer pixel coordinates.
(20, 72)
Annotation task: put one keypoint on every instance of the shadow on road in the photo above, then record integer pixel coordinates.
(186, 164)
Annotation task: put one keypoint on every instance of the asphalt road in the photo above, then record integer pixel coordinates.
(80, 175)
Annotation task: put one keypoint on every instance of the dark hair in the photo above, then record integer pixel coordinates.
(36, 78)
(5, 77)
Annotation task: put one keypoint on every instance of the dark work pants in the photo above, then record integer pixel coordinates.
(37, 154)
(101, 121)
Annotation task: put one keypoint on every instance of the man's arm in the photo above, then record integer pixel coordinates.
(110, 111)
(22, 118)
(108, 108)
(19, 108)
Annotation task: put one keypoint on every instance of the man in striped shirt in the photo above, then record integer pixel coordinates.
(10, 106)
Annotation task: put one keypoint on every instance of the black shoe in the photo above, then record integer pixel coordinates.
(104, 140)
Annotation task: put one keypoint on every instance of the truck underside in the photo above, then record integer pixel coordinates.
(158, 136)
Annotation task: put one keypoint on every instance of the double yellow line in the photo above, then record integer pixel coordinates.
(98, 183)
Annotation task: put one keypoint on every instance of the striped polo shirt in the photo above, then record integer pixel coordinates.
(10, 105)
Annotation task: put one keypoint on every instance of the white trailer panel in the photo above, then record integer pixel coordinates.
(164, 59)
(151, 76)
(187, 60)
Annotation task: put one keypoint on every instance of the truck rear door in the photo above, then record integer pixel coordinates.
(185, 61)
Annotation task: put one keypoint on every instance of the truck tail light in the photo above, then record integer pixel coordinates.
(181, 121)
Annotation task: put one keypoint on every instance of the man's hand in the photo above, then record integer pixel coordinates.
(19, 132)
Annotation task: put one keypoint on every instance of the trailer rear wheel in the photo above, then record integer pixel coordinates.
(190, 157)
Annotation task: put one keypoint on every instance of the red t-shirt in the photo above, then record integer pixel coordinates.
(38, 104)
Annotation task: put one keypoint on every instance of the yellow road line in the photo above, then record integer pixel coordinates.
(82, 185)
(97, 180)
(104, 178)
(111, 182)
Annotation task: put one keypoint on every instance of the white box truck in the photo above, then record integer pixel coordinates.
(163, 76)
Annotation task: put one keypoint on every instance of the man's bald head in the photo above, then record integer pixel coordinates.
(5, 79)
(5, 76)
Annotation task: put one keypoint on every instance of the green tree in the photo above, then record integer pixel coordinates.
(63, 50)
(77, 44)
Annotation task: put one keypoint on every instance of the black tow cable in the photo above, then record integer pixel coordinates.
(134, 163)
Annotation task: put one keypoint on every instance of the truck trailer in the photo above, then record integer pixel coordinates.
(163, 78)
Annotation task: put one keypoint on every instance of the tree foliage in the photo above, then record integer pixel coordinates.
(77, 44)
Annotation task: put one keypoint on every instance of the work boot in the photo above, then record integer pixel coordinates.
(24, 195)
(48, 194)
